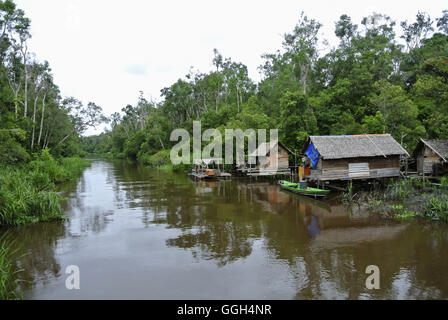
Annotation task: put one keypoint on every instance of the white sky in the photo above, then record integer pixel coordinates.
(107, 51)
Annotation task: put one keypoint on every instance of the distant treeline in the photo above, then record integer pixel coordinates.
(374, 81)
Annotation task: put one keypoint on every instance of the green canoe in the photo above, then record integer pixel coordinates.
(295, 187)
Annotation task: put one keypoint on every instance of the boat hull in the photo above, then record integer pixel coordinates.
(311, 192)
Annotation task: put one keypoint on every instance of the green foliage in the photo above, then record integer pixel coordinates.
(399, 189)
(11, 149)
(159, 159)
(437, 209)
(349, 196)
(444, 182)
(132, 145)
(399, 212)
(396, 114)
(297, 119)
(9, 272)
(27, 191)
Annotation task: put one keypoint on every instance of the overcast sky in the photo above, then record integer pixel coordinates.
(107, 51)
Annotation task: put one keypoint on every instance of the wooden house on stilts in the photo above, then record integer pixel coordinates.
(432, 157)
(352, 157)
(271, 158)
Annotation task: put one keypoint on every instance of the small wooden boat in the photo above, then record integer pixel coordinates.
(307, 191)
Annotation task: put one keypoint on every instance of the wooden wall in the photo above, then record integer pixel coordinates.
(425, 160)
(361, 168)
(269, 162)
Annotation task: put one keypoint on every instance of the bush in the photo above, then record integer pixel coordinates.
(161, 158)
(400, 212)
(11, 151)
(25, 199)
(437, 209)
(444, 182)
(399, 189)
(27, 192)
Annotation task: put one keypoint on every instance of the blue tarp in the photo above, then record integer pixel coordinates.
(312, 153)
(313, 228)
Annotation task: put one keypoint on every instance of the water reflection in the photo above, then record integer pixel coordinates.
(141, 233)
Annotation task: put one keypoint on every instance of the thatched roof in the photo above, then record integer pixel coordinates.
(266, 147)
(440, 147)
(341, 147)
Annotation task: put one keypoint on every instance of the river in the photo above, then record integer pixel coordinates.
(139, 233)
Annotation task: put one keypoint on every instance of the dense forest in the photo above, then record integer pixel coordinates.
(374, 81)
(33, 114)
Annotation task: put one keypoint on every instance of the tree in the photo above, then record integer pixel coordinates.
(431, 95)
(346, 30)
(442, 22)
(396, 114)
(414, 33)
(82, 117)
(301, 47)
(297, 119)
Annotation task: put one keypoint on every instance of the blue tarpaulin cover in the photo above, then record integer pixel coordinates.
(312, 153)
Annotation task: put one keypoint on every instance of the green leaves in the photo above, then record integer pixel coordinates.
(297, 119)
(396, 114)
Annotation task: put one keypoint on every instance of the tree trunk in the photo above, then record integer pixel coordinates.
(237, 98)
(42, 119)
(15, 89)
(304, 78)
(34, 121)
(24, 52)
(163, 147)
(65, 138)
(36, 99)
(45, 139)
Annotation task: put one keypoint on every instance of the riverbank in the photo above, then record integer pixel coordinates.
(28, 195)
(27, 191)
(404, 199)
(9, 280)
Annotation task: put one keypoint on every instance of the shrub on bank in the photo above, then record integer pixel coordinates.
(27, 191)
(408, 198)
(9, 282)
(437, 209)
(158, 159)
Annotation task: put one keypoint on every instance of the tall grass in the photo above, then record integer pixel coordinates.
(437, 209)
(9, 279)
(348, 196)
(27, 192)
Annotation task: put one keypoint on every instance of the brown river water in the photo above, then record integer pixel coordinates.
(138, 233)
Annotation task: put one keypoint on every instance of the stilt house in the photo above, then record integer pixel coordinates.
(353, 157)
(432, 157)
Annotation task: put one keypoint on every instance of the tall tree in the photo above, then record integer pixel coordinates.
(301, 47)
